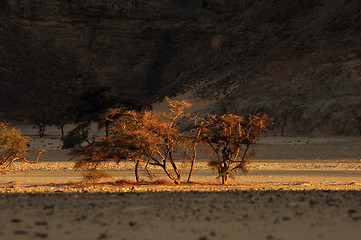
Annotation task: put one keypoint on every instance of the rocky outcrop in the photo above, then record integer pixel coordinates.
(297, 60)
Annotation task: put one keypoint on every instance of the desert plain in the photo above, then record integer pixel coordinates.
(297, 188)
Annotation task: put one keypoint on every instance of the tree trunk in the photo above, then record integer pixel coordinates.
(224, 179)
(194, 155)
(137, 171)
(62, 131)
(176, 180)
(174, 165)
(192, 164)
(190, 172)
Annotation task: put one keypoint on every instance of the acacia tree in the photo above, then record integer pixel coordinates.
(60, 119)
(230, 138)
(13, 146)
(41, 119)
(152, 138)
(85, 108)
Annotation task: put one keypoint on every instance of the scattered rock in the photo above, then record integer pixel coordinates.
(41, 235)
(331, 202)
(81, 218)
(351, 212)
(51, 206)
(20, 232)
(132, 224)
(15, 220)
(42, 223)
(102, 236)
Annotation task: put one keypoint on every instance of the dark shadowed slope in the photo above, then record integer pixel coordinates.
(298, 61)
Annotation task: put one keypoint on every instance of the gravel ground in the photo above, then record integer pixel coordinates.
(298, 188)
(196, 215)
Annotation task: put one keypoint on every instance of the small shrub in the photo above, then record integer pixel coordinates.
(95, 175)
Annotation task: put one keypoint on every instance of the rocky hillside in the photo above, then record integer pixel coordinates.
(297, 60)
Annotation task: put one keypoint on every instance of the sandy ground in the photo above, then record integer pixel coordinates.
(297, 188)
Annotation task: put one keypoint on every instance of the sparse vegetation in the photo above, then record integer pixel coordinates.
(146, 137)
(41, 119)
(60, 119)
(155, 138)
(13, 146)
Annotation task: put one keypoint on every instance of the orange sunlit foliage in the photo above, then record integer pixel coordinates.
(230, 138)
(146, 137)
(154, 139)
(13, 146)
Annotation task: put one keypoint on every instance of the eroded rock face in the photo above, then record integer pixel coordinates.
(128, 45)
(299, 59)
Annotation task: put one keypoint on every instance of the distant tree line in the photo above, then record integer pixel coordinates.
(83, 109)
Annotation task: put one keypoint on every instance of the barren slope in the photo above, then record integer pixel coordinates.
(299, 59)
